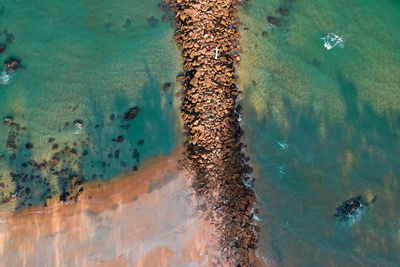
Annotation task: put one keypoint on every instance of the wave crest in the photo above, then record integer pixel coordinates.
(332, 40)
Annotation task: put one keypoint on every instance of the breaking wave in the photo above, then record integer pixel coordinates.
(332, 40)
(5, 77)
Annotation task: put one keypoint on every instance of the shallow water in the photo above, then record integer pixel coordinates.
(85, 60)
(323, 126)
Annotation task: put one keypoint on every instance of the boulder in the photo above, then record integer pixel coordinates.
(131, 113)
(11, 64)
(2, 48)
(350, 207)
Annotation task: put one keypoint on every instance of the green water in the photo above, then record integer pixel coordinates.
(85, 60)
(323, 126)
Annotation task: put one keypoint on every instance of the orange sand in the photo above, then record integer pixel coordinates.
(148, 219)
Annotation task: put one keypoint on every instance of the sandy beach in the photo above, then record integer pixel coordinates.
(147, 219)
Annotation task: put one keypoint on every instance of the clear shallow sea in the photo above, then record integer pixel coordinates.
(324, 126)
(85, 60)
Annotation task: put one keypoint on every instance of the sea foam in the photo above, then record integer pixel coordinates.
(332, 40)
(4, 77)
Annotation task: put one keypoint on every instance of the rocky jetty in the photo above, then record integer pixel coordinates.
(207, 35)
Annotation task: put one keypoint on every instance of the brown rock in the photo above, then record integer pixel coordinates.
(131, 113)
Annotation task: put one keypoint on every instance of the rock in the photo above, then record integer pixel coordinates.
(152, 21)
(2, 48)
(180, 78)
(194, 81)
(127, 23)
(29, 146)
(11, 142)
(350, 207)
(78, 123)
(283, 11)
(119, 139)
(64, 195)
(73, 152)
(11, 64)
(131, 113)
(8, 119)
(135, 154)
(273, 20)
(10, 37)
(85, 152)
(116, 154)
(166, 86)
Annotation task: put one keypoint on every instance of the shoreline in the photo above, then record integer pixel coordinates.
(208, 36)
(103, 228)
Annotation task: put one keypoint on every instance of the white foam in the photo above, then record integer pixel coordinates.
(5, 77)
(283, 144)
(333, 40)
(78, 129)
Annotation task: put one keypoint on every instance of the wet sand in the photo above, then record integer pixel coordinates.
(147, 219)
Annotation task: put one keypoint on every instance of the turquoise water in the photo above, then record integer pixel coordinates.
(85, 60)
(323, 126)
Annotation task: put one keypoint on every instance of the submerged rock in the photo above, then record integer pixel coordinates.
(127, 23)
(119, 139)
(11, 64)
(351, 206)
(2, 48)
(10, 37)
(283, 11)
(166, 86)
(78, 123)
(131, 113)
(29, 146)
(8, 119)
(274, 20)
(152, 20)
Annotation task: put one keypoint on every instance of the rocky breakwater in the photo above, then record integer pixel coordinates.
(208, 37)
